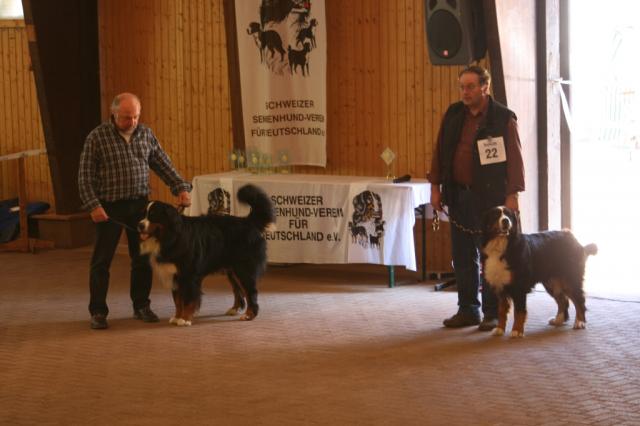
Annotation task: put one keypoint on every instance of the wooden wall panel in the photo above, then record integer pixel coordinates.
(175, 59)
(381, 90)
(20, 125)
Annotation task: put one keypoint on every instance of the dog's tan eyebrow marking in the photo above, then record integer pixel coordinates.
(146, 214)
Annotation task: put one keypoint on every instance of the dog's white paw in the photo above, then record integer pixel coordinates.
(579, 325)
(173, 320)
(182, 323)
(557, 321)
(232, 312)
(246, 317)
(516, 333)
(497, 331)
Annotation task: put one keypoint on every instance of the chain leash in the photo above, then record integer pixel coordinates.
(436, 224)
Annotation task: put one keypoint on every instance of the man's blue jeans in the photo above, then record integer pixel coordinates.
(465, 252)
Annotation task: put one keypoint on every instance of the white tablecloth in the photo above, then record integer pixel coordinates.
(325, 219)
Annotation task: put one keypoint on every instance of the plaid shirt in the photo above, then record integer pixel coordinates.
(112, 169)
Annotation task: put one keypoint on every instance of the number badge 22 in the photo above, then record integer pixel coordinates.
(492, 150)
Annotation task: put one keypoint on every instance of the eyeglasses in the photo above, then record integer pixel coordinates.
(468, 87)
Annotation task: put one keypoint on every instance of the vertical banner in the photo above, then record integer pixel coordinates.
(282, 53)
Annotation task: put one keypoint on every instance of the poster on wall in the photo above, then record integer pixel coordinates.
(282, 53)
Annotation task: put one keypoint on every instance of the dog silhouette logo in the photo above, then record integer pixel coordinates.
(367, 223)
(285, 36)
(219, 202)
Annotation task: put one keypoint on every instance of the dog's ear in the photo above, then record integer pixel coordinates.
(142, 212)
(358, 203)
(488, 220)
(516, 220)
(486, 227)
(173, 217)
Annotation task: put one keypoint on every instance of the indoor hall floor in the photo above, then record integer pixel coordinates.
(332, 345)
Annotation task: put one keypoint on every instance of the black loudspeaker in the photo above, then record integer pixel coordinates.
(455, 31)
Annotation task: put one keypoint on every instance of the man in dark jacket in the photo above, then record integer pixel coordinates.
(477, 164)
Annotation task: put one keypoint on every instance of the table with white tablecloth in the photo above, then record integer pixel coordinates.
(324, 218)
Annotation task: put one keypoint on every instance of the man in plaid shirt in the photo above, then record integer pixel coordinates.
(113, 180)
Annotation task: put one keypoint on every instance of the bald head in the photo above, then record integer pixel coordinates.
(124, 98)
(125, 109)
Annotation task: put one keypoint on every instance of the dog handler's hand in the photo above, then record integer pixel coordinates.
(511, 202)
(184, 199)
(436, 197)
(99, 215)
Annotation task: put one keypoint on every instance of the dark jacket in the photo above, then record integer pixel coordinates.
(489, 181)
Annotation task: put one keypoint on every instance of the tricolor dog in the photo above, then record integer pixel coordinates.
(513, 263)
(184, 250)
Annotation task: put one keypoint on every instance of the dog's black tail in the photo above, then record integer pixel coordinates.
(590, 250)
(262, 212)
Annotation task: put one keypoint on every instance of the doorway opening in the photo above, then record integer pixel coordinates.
(605, 138)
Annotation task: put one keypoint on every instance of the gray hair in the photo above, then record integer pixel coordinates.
(115, 104)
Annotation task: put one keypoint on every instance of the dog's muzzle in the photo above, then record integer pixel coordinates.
(143, 227)
(504, 224)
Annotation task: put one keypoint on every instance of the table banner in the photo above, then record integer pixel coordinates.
(377, 216)
(324, 219)
(214, 196)
(366, 225)
(310, 221)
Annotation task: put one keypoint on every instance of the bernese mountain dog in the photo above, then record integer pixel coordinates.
(183, 250)
(513, 263)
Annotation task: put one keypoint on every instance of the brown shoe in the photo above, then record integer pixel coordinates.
(488, 324)
(145, 314)
(99, 322)
(462, 319)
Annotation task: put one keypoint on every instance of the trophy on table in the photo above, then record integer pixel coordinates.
(233, 160)
(264, 161)
(283, 159)
(242, 159)
(237, 159)
(254, 161)
(388, 156)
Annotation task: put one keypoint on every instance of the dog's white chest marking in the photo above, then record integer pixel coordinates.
(496, 271)
(150, 246)
(165, 271)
